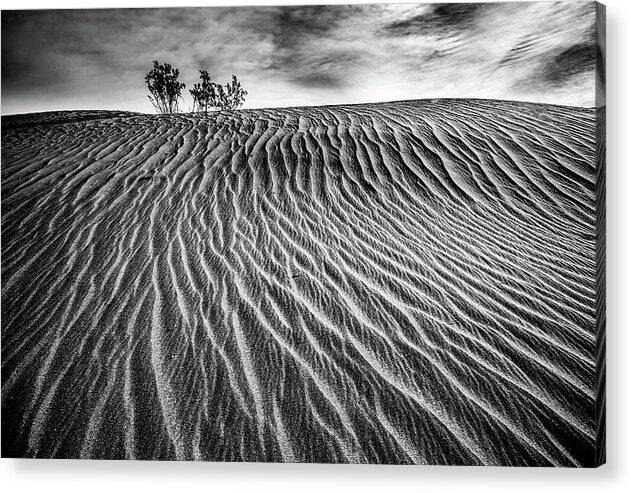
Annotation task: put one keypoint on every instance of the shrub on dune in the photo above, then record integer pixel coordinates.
(208, 94)
(204, 92)
(234, 95)
(164, 87)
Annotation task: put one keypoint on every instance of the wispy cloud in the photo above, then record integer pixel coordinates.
(540, 51)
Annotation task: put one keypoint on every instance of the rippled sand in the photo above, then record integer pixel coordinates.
(408, 282)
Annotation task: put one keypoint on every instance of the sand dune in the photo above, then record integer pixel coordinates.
(408, 282)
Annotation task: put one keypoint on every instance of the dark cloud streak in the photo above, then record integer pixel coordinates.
(446, 18)
(294, 32)
(569, 62)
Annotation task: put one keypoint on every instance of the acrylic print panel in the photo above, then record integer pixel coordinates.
(382, 241)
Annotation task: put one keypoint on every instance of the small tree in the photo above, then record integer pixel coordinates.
(204, 93)
(233, 96)
(208, 94)
(164, 87)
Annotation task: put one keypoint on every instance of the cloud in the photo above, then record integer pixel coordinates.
(445, 18)
(318, 80)
(63, 59)
(291, 26)
(571, 61)
(306, 44)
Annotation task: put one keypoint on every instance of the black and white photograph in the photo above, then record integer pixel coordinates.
(339, 234)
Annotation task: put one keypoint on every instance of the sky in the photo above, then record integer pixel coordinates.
(302, 56)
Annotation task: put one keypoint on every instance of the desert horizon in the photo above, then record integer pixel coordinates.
(210, 113)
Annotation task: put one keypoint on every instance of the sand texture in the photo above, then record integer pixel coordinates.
(411, 282)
